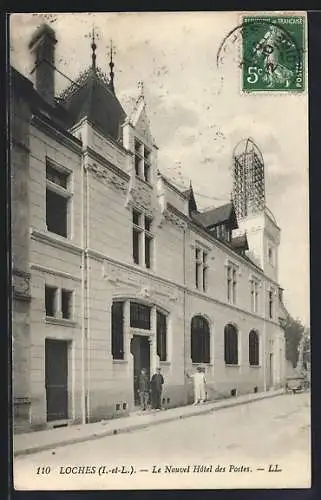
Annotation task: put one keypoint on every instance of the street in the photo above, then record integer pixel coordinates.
(263, 444)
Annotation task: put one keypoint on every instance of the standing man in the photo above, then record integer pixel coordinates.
(156, 383)
(143, 389)
(199, 385)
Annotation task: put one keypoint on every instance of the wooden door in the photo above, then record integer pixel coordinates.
(141, 353)
(56, 379)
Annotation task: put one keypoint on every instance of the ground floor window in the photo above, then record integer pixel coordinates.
(254, 345)
(231, 345)
(200, 340)
(117, 330)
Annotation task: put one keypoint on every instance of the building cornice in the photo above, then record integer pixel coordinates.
(99, 158)
(19, 144)
(55, 241)
(62, 136)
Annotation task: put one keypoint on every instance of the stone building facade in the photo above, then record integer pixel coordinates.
(115, 269)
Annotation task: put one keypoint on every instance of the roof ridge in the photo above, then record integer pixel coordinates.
(216, 208)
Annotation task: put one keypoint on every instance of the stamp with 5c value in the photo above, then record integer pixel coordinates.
(273, 53)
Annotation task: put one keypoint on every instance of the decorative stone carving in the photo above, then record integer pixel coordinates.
(112, 275)
(175, 220)
(21, 284)
(145, 292)
(173, 297)
(107, 177)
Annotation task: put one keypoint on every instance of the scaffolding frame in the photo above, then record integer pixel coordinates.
(248, 179)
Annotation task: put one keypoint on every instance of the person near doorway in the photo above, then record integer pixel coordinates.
(143, 389)
(156, 384)
(199, 382)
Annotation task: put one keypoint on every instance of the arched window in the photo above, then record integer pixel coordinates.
(254, 346)
(230, 345)
(200, 340)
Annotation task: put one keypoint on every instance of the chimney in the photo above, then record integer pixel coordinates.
(42, 46)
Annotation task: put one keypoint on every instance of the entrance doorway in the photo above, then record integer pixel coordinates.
(139, 347)
(56, 379)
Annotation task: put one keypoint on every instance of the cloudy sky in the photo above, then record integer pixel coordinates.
(197, 111)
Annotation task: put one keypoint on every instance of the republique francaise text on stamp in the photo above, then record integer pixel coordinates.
(273, 53)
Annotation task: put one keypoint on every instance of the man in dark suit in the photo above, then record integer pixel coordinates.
(143, 389)
(156, 384)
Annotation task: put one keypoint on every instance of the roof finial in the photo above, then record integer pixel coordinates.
(141, 88)
(111, 65)
(93, 47)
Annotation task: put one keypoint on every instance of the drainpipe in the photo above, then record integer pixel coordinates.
(87, 298)
(184, 311)
(83, 333)
(264, 338)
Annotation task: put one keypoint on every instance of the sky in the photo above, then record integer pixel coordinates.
(197, 111)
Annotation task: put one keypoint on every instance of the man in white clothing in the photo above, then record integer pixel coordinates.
(199, 385)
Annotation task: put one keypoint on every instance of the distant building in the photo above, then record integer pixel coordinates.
(115, 269)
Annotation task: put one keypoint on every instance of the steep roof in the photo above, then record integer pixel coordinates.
(189, 195)
(92, 97)
(219, 215)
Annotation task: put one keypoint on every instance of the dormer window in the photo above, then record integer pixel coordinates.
(223, 232)
(142, 161)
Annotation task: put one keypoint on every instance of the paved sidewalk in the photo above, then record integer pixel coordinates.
(34, 442)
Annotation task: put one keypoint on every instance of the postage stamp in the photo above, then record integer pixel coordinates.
(273, 53)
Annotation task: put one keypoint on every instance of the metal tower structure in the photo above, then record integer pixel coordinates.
(248, 179)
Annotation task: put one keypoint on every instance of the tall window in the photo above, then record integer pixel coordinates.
(138, 156)
(66, 303)
(57, 199)
(271, 303)
(231, 283)
(147, 156)
(230, 345)
(161, 333)
(200, 340)
(139, 316)
(201, 269)
(142, 161)
(117, 330)
(255, 295)
(51, 300)
(142, 239)
(254, 347)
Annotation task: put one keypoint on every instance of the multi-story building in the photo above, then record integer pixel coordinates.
(122, 271)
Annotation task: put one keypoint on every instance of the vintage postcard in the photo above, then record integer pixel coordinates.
(160, 250)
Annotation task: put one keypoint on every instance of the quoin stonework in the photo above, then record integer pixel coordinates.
(115, 269)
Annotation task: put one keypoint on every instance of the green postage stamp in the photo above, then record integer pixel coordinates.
(273, 53)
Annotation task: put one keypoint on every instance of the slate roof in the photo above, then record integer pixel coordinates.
(215, 216)
(189, 195)
(92, 98)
